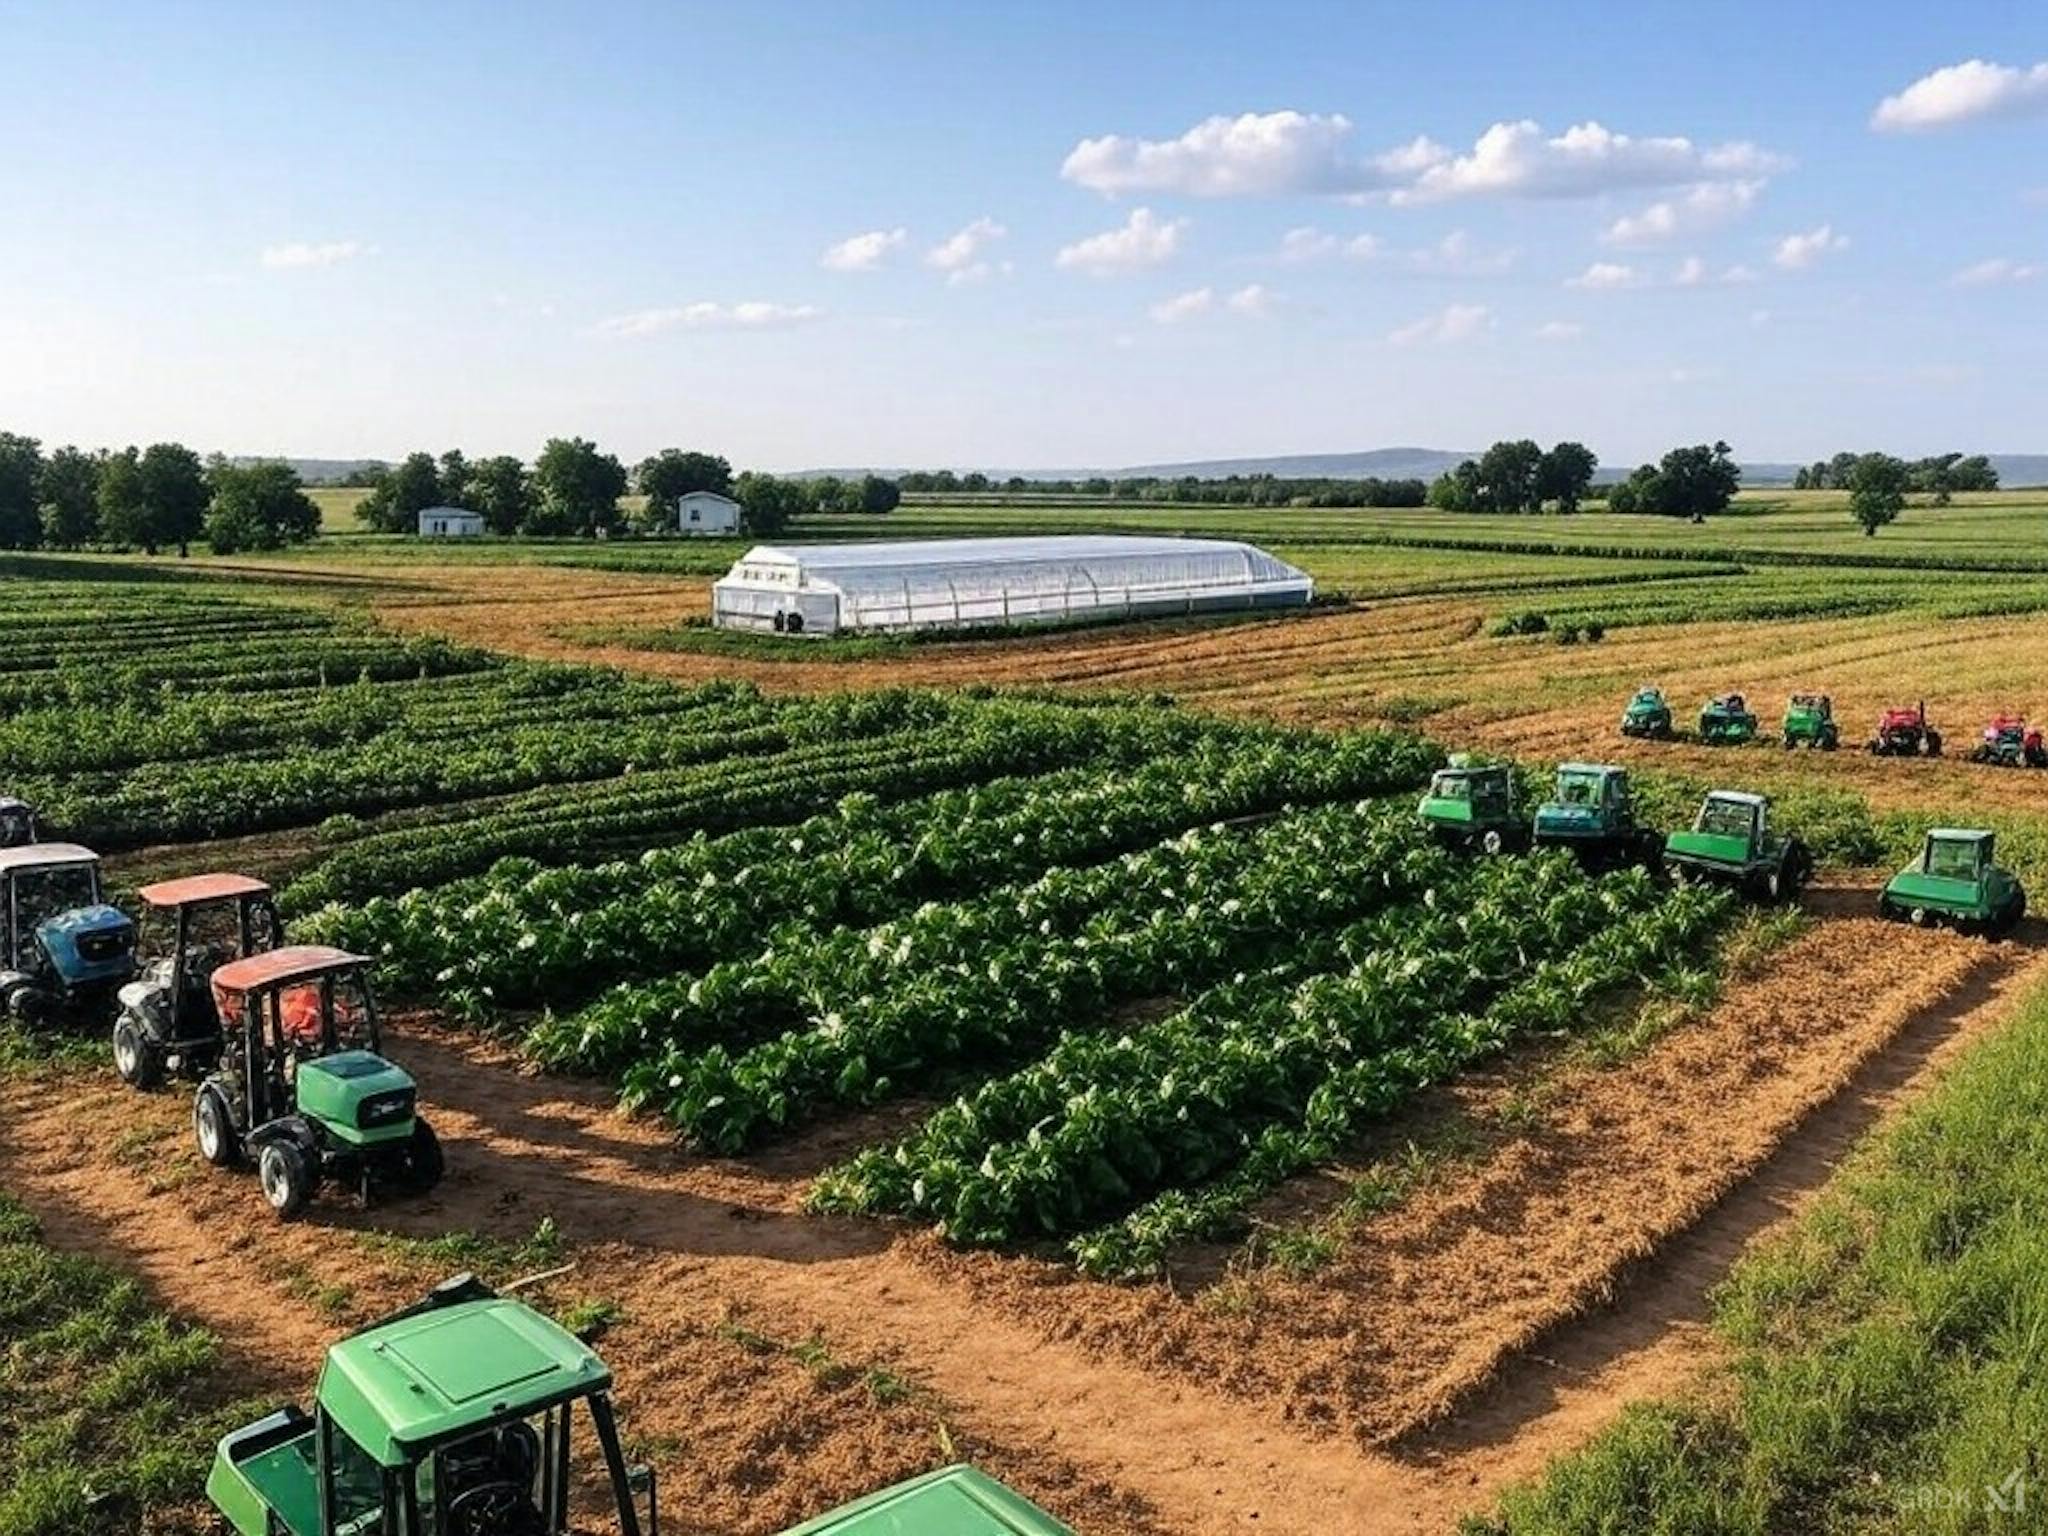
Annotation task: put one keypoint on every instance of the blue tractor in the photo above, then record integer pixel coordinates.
(64, 952)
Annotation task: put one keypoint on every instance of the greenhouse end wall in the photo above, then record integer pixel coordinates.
(970, 583)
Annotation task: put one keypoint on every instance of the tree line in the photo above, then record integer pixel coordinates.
(1223, 491)
(1517, 476)
(574, 488)
(159, 497)
(1939, 477)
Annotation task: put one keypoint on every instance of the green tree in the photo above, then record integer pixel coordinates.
(769, 504)
(1456, 490)
(124, 517)
(1693, 482)
(1565, 475)
(257, 506)
(1508, 477)
(175, 493)
(1877, 491)
(397, 495)
(668, 476)
(452, 475)
(21, 473)
(502, 490)
(878, 496)
(70, 498)
(579, 488)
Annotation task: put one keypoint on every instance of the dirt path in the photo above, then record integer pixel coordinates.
(1530, 1294)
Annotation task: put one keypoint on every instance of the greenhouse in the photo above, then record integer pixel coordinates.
(823, 589)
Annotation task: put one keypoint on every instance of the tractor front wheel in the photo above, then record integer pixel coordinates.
(134, 1057)
(214, 1130)
(287, 1181)
(424, 1164)
(1491, 843)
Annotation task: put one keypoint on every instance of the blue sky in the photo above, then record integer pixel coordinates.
(1128, 232)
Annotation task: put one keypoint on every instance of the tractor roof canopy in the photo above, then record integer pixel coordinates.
(1726, 701)
(194, 889)
(295, 962)
(1649, 695)
(1959, 835)
(423, 1376)
(953, 1501)
(44, 856)
(1810, 701)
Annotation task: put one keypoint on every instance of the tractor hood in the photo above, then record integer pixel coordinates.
(953, 1501)
(1554, 817)
(1708, 847)
(89, 944)
(359, 1096)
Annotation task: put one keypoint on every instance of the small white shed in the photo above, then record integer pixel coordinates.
(450, 523)
(706, 512)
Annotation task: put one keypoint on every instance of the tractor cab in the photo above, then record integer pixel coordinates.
(190, 929)
(1956, 880)
(1727, 719)
(1731, 842)
(1810, 722)
(17, 823)
(1592, 811)
(63, 949)
(466, 1414)
(1648, 715)
(1473, 807)
(302, 1085)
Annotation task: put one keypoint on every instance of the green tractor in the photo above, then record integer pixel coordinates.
(1648, 715)
(1474, 808)
(303, 1087)
(1957, 881)
(1731, 843)
(471, 1414)
(1810, 722)
(1727, 720)
(1592, 812)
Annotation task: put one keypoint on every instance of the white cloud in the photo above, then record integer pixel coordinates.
(1709, 204)
(1559, 330)
(1144, 240)
(1740, 273)
(1456, 322)
(300, 253)
(1516, 160)
(1607, 274)
(961, 254)
(1307, 243)
(1184, 306)
(1962, 93)
(1797, 252)
(864, 252)
(1999, 269)
(1254, 301)
(1759, 318)
(750, 315)
(1691, 273)
(1456, 253)
(1256, 154)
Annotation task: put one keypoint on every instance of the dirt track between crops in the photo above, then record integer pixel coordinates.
(1498, 1315)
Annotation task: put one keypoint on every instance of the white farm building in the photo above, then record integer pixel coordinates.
(706, 512)
(450, 523)
(822, 589)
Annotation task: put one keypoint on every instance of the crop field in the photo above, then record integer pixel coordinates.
(1063, 1052)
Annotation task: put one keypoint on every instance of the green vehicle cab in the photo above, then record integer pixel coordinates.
(1474, 808)
(1956, 880)
(471, 1414)
(1810, 722)
(1648, 715)
(1727, 720)
(1592, 811)
(1731, 843)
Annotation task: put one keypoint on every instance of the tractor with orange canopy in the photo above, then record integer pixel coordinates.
(191, 927)
(303, 1088)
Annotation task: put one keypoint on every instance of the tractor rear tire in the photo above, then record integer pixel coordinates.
(137, 1061)
(287, 1181)
(1931, 744)
(1491, 843)
(424, 1163)
(214, 1129)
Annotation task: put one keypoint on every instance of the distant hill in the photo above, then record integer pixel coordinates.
(322, 471)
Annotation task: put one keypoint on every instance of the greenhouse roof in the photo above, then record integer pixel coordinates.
(897, 553)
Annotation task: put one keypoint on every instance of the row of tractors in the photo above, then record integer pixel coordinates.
(1809, 721)
(1956, 879)
(467, 1413)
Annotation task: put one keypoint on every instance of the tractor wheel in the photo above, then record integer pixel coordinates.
(1931, 744)
(2019, 912)
(135, 1058)
(214, 1130)
(1829, 742)
(1889, 910)
(424, 1164)
(286, 1180)
(1920, 917)
(1491, 843)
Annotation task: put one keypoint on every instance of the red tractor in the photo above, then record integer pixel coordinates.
(2009, 742)
(1906, 733)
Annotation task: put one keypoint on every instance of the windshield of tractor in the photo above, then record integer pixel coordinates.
(1651, 698)
(41, 894)
(300, 1017)
(1951, 859)
(1578, 787)
(1451, 786)
(358, 1485)
(1727, 818)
